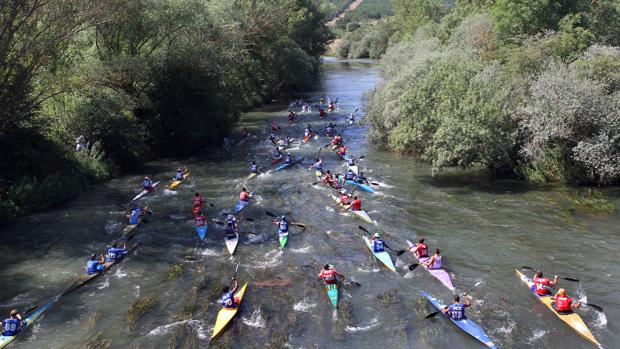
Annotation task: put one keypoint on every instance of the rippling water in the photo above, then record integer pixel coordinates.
(485, 228)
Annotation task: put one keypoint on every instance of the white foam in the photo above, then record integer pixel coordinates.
(207, 252)
(104, 284)
(374, 322)
(301, 250)
(536, 335)
(255, 320)
(168, 192)
(303, 306)
(164, 329)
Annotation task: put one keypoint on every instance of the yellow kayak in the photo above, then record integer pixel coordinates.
(226, 315)
(175, 182)
(573, 319)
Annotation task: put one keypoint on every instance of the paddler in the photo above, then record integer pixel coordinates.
(147, 184)
(245, 133)
(542, 285)
(329, 275)
(350, 175)
(328, 178)
(274, 126)
(13, 324)
(360, 178)
(456, 310)
(322, 113)
(352, 118)
(318, 164)
(254, 167)
(435, 261)
(200, 220)
(244, 195)
(342, 150)
(356, 204)
(136, 213)
(282, 224)
(376, 244)
(288, 159)
(329, 130)
(197, 201)
(114, 253)
(228, 300)
(563, 303)
(308, 131)
(179, 175)
(343, 198)
(331, 106)
(420, 250)
(231, 222)
(291, 117)
(337, 140)
(272, 137)
(277, 153)
(94, 265)
(350, 161)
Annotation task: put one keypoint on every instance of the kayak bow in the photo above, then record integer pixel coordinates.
(466, 325)
(202, 232)
(572, 319)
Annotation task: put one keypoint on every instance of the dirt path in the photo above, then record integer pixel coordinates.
(351, 7)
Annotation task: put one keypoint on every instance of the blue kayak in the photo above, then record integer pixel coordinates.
(285, 166)
(202, 232)
(242, 204)
(466, 325)
(362, 186)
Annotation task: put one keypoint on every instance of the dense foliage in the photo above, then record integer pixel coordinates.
(139, 79)
(365, 31)
(526, 88)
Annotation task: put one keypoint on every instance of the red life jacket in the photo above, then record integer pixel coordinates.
(244, 196)
(200, 221)
(197, 201)
(328, 178)
(329, 276)
(337, 140)
(356, 205)
(342, 150)
(562, 303)
(344, 199)
(422, 250)
(539, 284)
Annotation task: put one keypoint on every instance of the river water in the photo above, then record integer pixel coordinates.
(485, 228)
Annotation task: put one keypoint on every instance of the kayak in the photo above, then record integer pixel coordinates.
(468, 326)
(354, 168)
(276, 160)
(129, 230)
(144, 192)
(82, 280)
(283, 238)
(384, 257)
(332, 293)
(175, 182)
(251, 175)
(572, 319)
(202, 232)
(361, 214)
(439, 274)
(224, 316)
(231, 242)
(308, 137)
(362, 186)
(28, 322)
(285, 166)
(334, 147)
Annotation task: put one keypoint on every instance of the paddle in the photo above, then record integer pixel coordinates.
(271, 214)
(433, 314)
(563, 278)
(594, 306)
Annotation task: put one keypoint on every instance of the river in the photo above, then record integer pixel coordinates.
(485, 228)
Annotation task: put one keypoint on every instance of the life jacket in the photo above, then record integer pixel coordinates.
(328, 178)
(349, 176)
(197, 201)
(114, 254)
(288, 159)
(562, 303)
(200, 221)
(254, 168)
(11, 327)
(457, 311)
(342, 150)
(277, 153)
(377, 245)
(244, 196)
(231, 223)
(318, 165)
(356, 205)
(228, 300)
(351, 161)
(328, 276)
(179, 175)
(146, 183)
(91, 267)
(134, 218)
(539, 286)
(344, 199)
(307, 133)
(422, 250)
(329, 130)
(283, 225)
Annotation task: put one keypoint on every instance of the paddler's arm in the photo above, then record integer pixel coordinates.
(234, 281)
(554, 282)
(340, 274)
(467, 301)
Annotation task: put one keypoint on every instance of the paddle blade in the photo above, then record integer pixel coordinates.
(571, 279)
(301, 225)
(249, 219)
(218, 223)
(374, 183)
(29, 310)
(432, 315)
(400, 253)
(413, 266)
(528, 268)
(270, 214)
(594, 306)
(363, 229)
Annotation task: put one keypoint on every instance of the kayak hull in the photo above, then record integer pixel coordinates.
(384, 257)
(231, 243)
(251, 175)
(573, 320)
(466, 325)
(285, 166)
(276, 160)
(224, 316)
(283, 239)
(361, 186)
(241, 205)
(202, 232)
(332, 293)
(439, 274)
(28, 322)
